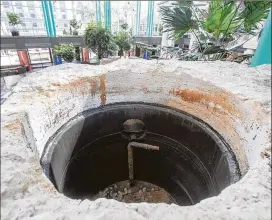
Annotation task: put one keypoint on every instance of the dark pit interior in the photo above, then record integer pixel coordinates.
(90, 153)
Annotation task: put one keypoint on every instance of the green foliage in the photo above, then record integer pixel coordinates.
(253, 13)
(97, 38)
(220, 20)
(160, 29)
(222, 23)
(75, 26)
(124, 26)
(77, 53)
(113, 46)
(65, 51)
(178, 19)
(123, 40)
(14, 19)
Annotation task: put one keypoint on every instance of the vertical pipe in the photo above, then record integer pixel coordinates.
(54, 31)
(152, 18)
(45, 19)
(98, 12)
(48, 18)
(109, 15)
(148, 18)
(137, 23)
(130, 166)
(50, 54)
(263, 52)
(138, 18)
(105, 14)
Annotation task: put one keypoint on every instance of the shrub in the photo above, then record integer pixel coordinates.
(65, 51)
(14, 19)
(123, 41)
(75, 26)
(98, 39)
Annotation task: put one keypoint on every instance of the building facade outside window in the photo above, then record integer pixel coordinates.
(29, 12)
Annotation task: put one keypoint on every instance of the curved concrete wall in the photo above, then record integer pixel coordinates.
(233, 99)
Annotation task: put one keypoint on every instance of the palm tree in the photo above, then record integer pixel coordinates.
(219, 25)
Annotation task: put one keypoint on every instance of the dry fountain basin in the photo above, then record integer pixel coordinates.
(168, 141)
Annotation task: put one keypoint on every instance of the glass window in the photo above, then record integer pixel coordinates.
(6, 4)
(39, 55)
(64, 16)
(18, 3)
(29, 12)
(65, 25)
(9, 57)
(35, 25)
(30, 3)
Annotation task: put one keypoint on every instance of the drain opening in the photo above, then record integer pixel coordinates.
(135, 152)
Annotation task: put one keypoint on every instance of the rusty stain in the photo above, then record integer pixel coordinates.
(93, 87)
(221, 122)
(55, 84)
(83, 85)
(102, 89)
(14, 125)
(74, 84)
(193, 96)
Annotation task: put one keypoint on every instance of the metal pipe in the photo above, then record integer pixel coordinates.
(145, 146)
(45, 18)
(130, 157)
(138, 18)
(48, 19)
(52, 19)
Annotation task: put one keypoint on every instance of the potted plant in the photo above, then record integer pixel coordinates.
(77, 53)
(14, 19)
(98, 39)
(65, 51)
(74, 25)
(123, 41)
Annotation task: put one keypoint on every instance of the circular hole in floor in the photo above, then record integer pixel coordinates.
(138, 152)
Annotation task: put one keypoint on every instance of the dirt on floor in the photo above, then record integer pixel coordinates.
(140, 192)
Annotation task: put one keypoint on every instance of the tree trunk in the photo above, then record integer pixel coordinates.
(121, 53)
